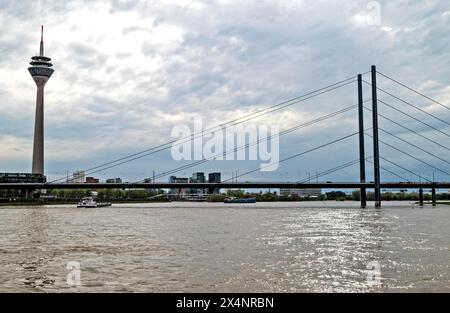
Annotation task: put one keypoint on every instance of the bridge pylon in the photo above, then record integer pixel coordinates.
(362, 158)
(376, 151)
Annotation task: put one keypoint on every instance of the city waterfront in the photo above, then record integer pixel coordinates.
(215, 247)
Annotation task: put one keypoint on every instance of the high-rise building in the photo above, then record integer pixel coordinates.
(41, 71)
(77, 177)
(214, 178)
(198, 177)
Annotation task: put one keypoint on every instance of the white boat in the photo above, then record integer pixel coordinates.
(90, 202)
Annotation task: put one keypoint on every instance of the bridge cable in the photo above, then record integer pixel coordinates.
(345, 165)
(409, 129)
(249, 144)
(409, 115)
(414, 90)
(413, 145)
(414, 118)
(234, 122)
(389, 171)
(285, 132)
(410, 155)
(297, 155)
(329, 171)
(281, 161)
(412, 105)
(403, 168)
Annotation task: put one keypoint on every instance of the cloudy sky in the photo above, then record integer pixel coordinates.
(128, 71)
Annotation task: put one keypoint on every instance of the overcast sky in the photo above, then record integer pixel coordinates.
(127, 72)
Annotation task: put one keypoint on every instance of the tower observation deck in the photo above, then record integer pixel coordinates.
(41, 71)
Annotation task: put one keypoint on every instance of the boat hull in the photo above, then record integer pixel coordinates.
(245, 200)
(98, 205)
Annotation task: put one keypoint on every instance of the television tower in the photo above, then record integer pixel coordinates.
(41, 71)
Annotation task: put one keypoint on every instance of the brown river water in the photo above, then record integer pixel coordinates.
(216, 247)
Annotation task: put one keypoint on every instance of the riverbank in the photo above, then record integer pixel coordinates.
(437, 203)
(74, 202)
(39, 202)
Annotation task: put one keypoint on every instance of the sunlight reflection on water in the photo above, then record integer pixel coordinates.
(274, 247)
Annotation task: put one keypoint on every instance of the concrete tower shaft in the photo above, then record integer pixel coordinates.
(41, 71)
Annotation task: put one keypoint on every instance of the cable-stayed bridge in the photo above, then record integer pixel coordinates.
(433, 123)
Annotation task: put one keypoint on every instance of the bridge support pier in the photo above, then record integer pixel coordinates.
(28, 193)
(362, 157)
(433, 196)
(421, 197)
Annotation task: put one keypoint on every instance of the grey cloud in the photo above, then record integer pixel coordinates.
(241, 55)
(123, 5)
(85, 56)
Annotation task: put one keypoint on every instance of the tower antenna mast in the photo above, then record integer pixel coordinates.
(41, 51)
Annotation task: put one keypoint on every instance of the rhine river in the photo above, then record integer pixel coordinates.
(216, 247)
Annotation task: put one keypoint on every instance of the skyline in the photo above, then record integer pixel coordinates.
(124, 85)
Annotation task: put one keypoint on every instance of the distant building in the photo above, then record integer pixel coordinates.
(77, 177)
(178, 192)
(302, 193)
(114, 181)
(214, 178)
(179, 180)
(198, 177)
(92, 180)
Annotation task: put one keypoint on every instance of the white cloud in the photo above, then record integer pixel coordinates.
(127, 71)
